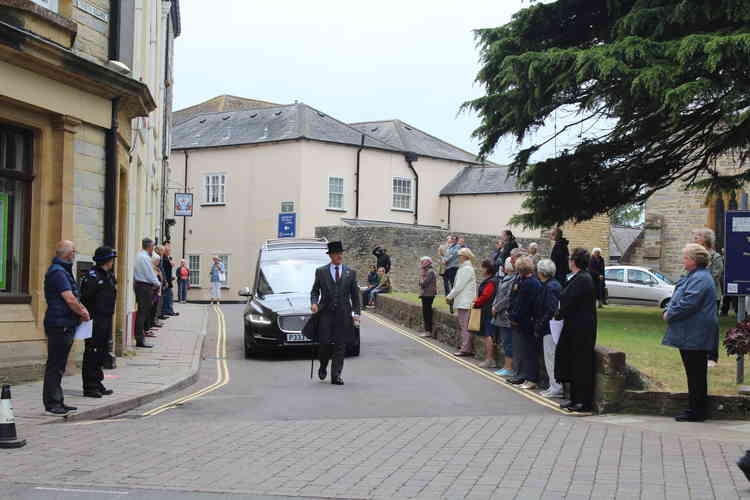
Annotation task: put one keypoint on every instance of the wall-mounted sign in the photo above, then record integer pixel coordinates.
(183, 204)
(737, 253)
(287, 225)
(95, 11)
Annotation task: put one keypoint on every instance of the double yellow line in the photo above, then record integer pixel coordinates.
(222, 370)
(466, 364)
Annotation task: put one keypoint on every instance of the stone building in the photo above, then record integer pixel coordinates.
(82, 92)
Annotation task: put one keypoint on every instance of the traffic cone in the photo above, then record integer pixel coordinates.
(8, 436)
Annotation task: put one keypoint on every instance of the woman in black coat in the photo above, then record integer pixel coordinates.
(560, 256)
(509, 243)
(597, 268)
(574, 356)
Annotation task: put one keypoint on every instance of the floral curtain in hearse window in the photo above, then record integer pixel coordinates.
(15, 184)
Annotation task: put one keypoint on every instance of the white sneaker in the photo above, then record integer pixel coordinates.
(487, 364)
(528, 385)
(551, 394)
(712, 364)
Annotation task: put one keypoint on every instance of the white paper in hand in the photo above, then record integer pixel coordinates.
(85, 330)
(556, 326)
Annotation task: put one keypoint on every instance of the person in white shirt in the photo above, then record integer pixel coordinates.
(145, 282)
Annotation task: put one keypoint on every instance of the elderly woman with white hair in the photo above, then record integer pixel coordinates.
(500, 307)
(692, 327)
(534, 253)
(428, 290)
(596, 268)
(707, 239)
(546, 307)
(462, 298)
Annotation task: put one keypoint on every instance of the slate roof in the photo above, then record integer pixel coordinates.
(482, 180)
(621, 238)
(408, 138)
(264, 125)
(217, 104)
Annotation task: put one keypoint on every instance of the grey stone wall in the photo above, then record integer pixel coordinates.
(406, 245)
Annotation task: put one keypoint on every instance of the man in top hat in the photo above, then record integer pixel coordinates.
(98, 294)
(335, 297)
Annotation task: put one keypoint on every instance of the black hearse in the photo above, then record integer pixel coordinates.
(278, 305)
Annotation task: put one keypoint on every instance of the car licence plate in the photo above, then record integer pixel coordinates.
(295, 337)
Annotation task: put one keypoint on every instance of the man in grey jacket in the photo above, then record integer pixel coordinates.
(450, 260)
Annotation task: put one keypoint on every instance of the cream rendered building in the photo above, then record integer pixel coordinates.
(245, 168)
(82, 93)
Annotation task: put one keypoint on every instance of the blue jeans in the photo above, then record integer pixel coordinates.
(182, 288)
(168, 300)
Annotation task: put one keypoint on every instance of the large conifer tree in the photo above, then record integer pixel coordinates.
(672, 77)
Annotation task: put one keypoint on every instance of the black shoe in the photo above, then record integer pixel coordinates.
(106, 392)
(322, 373)
(337, 381)
(515, 380)
(92, 394)
(145, 346)
(163, 317)
(58, 411)
(690, 416)
(566, 405)
(175, 314)
(744, 464)
(578, 408)
(69, 408)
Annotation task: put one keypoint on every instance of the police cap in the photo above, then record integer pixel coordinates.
(103, 254)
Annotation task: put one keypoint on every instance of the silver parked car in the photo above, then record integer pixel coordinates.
(637, 285)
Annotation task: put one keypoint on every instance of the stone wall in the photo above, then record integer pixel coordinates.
(92, 39)
(89, 190)
(405, 245)
(590, 234)
(612, 373)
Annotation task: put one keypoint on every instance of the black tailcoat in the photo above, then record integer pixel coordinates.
(336, 300)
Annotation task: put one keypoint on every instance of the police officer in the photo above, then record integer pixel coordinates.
(98, 294)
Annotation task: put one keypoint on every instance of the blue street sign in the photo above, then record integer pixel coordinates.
(737, 253)
(287, 225)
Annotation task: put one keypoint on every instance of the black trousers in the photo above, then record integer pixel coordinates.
(335, 328)
(144, 294)
(531, 349)
(427, 312)
(697, 379)
(59, 342)
(95, 353)
(449, 278)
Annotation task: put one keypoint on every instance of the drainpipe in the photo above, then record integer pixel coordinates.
(184, 219)
(449, 213)
(410, 159)
(111, 177)
(356, 176)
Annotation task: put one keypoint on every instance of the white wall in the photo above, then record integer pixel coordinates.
(487, 214)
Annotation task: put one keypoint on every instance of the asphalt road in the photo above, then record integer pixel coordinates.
(393, 377)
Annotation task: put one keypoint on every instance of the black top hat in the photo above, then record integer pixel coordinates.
(335, 247)
(103, 254)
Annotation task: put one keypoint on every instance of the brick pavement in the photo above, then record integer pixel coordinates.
(533, 457)
(173, 363)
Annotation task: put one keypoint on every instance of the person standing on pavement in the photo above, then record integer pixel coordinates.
(497, 255)
(154, 320)
(574, 353)
(183, 280)
(509, 243)
(560, 255)
(534, 253)
(427, 292)
(521, 314)
(217, 273)
(145, 283)
(167, 267)
(596, 268)
(99, 295)
(546, 307)
(450, 260)
(484, 300)
(462, 298)
(64, 313)
(707, 239)
(501, 320)
(335, 297)
(441, 263)
(692, 327)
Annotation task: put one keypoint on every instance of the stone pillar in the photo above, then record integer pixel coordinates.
(66, 128)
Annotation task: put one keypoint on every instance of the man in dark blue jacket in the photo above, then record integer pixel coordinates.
(524, 297)
(64, 313)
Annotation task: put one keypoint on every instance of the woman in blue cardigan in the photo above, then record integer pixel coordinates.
(692, 327)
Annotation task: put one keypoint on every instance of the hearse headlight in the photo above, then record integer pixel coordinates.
(258, 319)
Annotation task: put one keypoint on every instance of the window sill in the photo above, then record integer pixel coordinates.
(405, 210)
(213, 204)
(15, 299)
(340, 210)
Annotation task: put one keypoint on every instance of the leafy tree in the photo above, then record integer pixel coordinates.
(671, 77)
(628, 215)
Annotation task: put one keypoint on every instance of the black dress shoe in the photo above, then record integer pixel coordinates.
(578, 408)
(690, 416)
(58, 411)
(566, 405)
(92, 394)
(744, 464)
(515, 380)
(322, 373)
(163, 317)
(175, 314)
(337, 381)
(106, 392)
(69, 408)
(145, 346)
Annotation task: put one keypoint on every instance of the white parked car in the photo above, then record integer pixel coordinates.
(637, 285)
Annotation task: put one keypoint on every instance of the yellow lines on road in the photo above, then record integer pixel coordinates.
(222, 369)
(466, 364)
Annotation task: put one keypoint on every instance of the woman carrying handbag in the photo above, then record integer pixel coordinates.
(462, 296)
